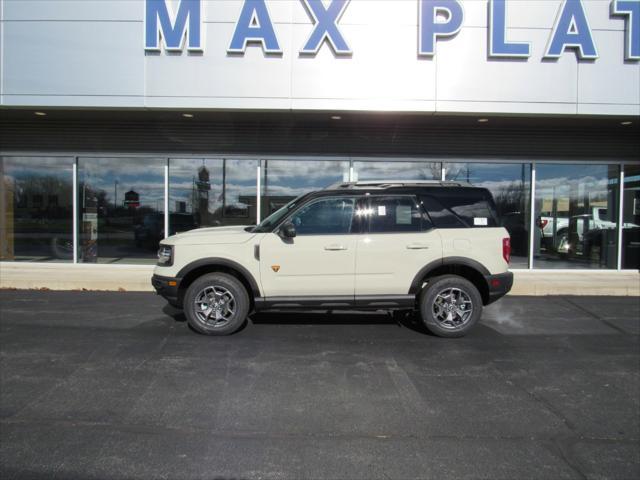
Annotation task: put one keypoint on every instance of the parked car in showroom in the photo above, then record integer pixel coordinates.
(149, 233)
(433, 247)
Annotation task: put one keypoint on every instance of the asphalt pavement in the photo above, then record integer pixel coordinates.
(102, 385)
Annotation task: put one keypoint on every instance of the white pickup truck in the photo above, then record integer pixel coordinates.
(596, 220)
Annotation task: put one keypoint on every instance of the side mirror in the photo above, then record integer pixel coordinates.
(288, 230)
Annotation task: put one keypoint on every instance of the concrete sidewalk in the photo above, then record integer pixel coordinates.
(108, 385)
(137, 278)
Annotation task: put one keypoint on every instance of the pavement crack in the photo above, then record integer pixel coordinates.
(158, 429)
(560, 447)
(595, 316)
(545, 403)
(408, 394)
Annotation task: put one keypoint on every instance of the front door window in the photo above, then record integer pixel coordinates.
(330, 216)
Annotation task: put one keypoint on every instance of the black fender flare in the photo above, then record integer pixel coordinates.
(221, 262)
(416, 284)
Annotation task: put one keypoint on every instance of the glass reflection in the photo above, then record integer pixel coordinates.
(631, 220)
(211, 192)
(576, 216)
(36, 209)
(120, 201)
(285, 180)
(510, 185)
(397, 170)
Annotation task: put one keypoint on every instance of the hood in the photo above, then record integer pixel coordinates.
(211, 236)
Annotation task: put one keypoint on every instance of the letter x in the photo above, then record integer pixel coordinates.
(326, 26)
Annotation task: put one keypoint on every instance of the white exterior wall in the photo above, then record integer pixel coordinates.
(91, 54)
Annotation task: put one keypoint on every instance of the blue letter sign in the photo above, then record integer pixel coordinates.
(498, 45)
(158, 22)
(429, 28)
(326, 26)
(254, 25)
(631, 10)
(571, 30)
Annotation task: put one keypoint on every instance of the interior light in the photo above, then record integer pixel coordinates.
(187, 115)
(625, 123)
(483, 120)
(40, 114)
(336, 117)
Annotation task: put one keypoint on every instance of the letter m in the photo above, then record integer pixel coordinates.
(162, 22)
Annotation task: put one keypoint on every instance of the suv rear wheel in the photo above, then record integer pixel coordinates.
(216, 304)
(450, 306)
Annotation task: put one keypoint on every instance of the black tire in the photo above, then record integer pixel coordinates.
(197, 292)
(450, 328)
(62, 248)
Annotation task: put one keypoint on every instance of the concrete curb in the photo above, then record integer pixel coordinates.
(137, 278)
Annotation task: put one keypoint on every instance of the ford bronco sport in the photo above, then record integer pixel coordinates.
(433, 247)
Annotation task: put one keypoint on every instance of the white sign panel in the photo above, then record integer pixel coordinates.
(449, 56)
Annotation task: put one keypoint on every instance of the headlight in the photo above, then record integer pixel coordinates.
(165, 255)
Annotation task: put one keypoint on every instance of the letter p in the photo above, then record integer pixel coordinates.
(430, 28)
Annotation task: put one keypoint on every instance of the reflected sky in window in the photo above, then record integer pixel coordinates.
(116, 176)
(294, 178)
(397, 170)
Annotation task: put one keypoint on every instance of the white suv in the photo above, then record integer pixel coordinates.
(434, 247)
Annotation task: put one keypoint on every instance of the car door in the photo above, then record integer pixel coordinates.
(320, 259)
(398, 241)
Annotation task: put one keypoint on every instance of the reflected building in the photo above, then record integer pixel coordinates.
(131, 199)
(201, 190)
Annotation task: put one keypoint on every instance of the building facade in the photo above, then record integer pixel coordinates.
(122, 122)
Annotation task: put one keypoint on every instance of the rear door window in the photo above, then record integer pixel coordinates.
(396, 214)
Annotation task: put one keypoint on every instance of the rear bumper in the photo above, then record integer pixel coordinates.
(499, 285)
(167, 287)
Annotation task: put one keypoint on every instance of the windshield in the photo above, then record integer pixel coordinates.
(268, 223)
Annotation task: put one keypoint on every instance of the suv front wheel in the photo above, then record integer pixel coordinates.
(216, 304)
(450, 306)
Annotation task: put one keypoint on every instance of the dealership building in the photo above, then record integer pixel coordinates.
(122, 122)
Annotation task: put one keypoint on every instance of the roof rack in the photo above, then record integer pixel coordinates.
(395, 183)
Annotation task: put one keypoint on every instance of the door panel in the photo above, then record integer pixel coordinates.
(387, 263)
(398, 243)
(309, 265)
(320, 259)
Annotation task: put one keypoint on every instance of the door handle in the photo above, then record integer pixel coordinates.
(417, 246)
(334, 247)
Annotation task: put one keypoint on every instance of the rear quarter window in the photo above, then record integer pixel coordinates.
(462, 208)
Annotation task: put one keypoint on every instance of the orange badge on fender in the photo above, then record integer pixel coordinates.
(275, 268)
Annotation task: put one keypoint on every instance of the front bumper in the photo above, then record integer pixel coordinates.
(167, 287)
(499, 285)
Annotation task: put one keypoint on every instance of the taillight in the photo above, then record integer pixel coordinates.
(542, 222)
(506, 249)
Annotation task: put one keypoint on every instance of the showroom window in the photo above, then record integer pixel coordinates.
(121, 203)
(120, 207)
(631, 218)
(576, 216)
(36, 209)
(397, 171)
(510, 185)
(211, 192)
(284, 180)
